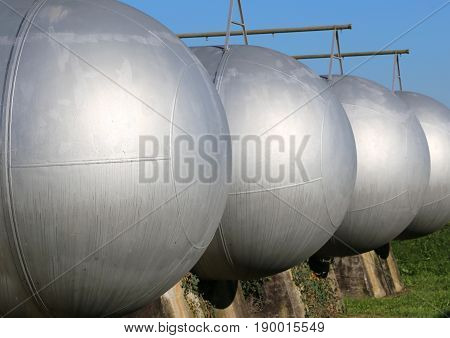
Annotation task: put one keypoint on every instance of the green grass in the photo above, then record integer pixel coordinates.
(424, 265)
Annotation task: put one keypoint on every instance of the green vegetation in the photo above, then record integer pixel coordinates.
(319, 295)
(424, 265)
(253, 291)
(198, 306)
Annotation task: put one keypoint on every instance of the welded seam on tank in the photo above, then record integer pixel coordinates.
(436, 201)
(172, 166)
(321, 166)
(225, 246)
(13, 68)
(438, 128)
(390, 116)
(275, 188)
(216, 72)
(89, 162)
(381, 203)
(316, 95)
(406, 155)
(92, 3)
(218, 80)
(221, 68)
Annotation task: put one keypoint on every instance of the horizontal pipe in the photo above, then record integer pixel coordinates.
(266, 31)
(344, 55)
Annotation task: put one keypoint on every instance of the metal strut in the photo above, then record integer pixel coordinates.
(353, 54)
(237, 23)
(335, 44)
(268, 31)
(396, 75)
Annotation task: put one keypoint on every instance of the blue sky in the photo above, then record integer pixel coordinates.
(375, 24)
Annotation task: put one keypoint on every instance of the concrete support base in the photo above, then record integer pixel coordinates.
(368, 275)
(292, 294)
(278, 296)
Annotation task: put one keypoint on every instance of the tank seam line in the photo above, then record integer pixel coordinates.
(433, 126)
(321, 167)
(384, 202)
(225, 245)
(406, 120)
(316, 94)
(406, 155)
(276, 188)
(174, 105)
(436, 201)
(221, 69)
(16, 54)
(89, 162)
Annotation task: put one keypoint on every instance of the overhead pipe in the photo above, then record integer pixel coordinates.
(270, 31)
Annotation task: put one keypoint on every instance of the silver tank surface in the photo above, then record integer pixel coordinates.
(435, 120)
(82, 81)
(393, 167)
(269, 226)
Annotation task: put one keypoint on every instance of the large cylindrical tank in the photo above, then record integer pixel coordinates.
(88, 88)
(271, 225)
(435, 120)
(393, 167)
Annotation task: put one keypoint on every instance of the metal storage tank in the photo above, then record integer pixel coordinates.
(435, 120)
(269, 226)
(81, 229)
(393, 167)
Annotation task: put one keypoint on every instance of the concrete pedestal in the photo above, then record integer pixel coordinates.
(368, 275)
